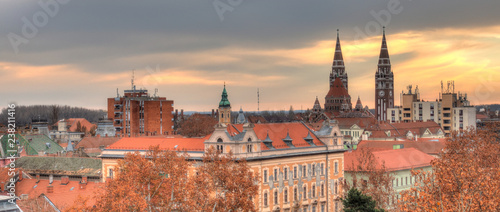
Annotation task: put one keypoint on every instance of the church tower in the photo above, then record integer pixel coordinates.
(338, 68)
(224, 108)
(384, 83)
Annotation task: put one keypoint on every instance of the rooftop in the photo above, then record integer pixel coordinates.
(394, 159)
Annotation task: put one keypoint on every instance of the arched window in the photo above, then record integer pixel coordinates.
(249, 139)
(220, 147)
(305, 192)
(295, 194)
(285, 195)
(265, 199)
(275, 197)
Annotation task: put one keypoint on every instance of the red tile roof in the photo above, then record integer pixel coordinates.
(394, 159)
(360, 121)
(337, 89)
(95, 142)
(72, 122)
(278, 131)
(143, 143)
(63, 196)
(427, 145)
(399, 129)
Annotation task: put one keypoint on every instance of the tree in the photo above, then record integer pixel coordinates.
(372, 178)
(198, 125)
(92, 130)
(229, 180)
(78, 127)
(357, 202)
(465, 177)
(168, 181)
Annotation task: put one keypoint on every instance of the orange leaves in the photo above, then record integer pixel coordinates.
(465, 177)
(169, 181)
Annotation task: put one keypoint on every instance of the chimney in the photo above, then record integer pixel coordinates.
(51, 179)
(37, 178)
(64, 180)
(83, 183)
(84, 180)
(50, 189)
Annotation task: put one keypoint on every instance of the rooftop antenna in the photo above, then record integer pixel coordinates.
(258, 101)
(132, 81)
(156, 91)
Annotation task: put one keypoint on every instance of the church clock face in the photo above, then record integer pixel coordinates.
(381, 93)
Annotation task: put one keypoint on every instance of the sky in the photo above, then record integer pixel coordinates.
(78, 53)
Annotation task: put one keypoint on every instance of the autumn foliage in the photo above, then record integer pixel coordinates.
(465, 177)
(169, 181)
(372, 179)
(198, 125)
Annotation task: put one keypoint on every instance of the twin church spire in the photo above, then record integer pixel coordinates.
(338, 99)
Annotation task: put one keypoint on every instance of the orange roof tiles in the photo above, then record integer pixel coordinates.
(63, 196)
(394, 159)
(401, 128)
(96, 142)
(72, 122)
(427, 145)
(143, 143)
(278, 131)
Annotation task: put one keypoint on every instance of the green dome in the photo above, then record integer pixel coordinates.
(224, 102)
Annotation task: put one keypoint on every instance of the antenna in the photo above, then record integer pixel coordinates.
(156, 91)
(258, 101)
(132, 81)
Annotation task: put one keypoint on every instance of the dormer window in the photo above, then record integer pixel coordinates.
(249, 139)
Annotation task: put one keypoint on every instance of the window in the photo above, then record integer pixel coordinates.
(295, 194)
(220, 147)
(304, 209)
(265, 176)
(285, 173)
(275, 197)
(305, 192)
(304, 170)
(313, 169)
(322, 190)
(265, 199)
(110, 172)
(336, 167)
(275, 175)
(322, 169)
(313, 208)
(322, 207)
(285, 195)
(294, 172)
(313, 190)
(336, 186)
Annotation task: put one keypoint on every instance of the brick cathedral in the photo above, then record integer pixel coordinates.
(338, 101)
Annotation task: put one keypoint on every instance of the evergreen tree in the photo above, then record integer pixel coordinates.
(357, 201)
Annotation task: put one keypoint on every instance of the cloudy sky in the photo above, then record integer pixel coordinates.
(75, 52)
